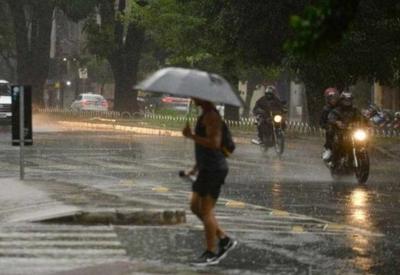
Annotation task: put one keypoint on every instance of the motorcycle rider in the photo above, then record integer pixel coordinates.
(331, 99)
(396, 123)
(263, 107)
(342, 116)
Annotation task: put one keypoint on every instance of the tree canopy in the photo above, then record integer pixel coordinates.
(323, 42)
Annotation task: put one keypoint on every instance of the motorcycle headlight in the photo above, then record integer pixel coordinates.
(360, 135)
(278, 118)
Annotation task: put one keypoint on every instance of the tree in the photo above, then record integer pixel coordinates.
(7, 42)
(121, 36)
(338, 51)
(226, 37)
(115, 32)
(100, 71)
(32, 22)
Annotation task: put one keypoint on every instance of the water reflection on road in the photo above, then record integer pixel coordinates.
(358, 207)
(358, 214)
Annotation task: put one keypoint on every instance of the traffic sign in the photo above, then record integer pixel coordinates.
(83, 73)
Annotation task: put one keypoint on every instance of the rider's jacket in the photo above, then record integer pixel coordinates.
(266, 105)
(323, 121)
(347, 115)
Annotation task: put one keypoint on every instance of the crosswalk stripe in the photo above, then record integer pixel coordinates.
(36, 252)
(17, 265)
(53, 261)
(21, 227)
(28, 248)
(47, 235)
(66, 243)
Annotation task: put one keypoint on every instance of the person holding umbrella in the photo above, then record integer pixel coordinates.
(211, 168)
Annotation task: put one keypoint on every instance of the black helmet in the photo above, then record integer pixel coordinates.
(346, 99)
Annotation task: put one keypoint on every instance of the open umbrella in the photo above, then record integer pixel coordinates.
(191, 83)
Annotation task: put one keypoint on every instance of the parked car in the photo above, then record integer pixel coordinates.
(175, 103)
(90, 102)
(5, 101)
(149, 101)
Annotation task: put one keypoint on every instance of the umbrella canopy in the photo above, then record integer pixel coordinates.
(191, 83)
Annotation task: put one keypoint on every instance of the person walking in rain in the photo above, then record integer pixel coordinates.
(211, 168)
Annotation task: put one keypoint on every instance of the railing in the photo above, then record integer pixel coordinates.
(244, 123)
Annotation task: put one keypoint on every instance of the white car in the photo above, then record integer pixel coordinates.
(90, 102)
(5, 100)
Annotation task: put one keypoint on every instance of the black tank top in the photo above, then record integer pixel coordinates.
(206, 158)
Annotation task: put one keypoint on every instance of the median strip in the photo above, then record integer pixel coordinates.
(119, 217)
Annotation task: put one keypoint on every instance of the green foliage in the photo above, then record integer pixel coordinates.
(99, 70)
(338, 43)
(365, 46)
(177, 30)
(321, 25)
(100, 38)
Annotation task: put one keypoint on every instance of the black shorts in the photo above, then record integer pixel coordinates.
(209, 183)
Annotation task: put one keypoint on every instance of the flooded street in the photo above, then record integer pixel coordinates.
(288, 215)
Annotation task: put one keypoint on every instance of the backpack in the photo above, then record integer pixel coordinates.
(227, 143)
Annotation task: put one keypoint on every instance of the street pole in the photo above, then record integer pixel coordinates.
(21, 134)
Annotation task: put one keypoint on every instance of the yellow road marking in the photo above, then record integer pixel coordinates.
(333, 226)
(160, 189)
(297, 229)
(279, 213)
(235, 204)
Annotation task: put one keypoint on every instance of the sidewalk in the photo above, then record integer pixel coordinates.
(22, 202)
(29, 247)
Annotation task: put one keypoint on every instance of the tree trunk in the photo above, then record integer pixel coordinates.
(124, 62)
(7, 58)
(251, 86)
(315, 103)
(231, 112)
(33, 44)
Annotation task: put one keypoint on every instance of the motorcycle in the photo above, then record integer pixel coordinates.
(350, 154)
(272, 129)
(377, 117)
(396, 122)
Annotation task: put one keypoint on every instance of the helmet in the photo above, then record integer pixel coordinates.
(270, 91)
(331, 94)
(346, 99)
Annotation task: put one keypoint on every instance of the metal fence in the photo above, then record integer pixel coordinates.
(243, 124)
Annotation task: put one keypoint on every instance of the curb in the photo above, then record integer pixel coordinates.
(120, 217)
(137, 130)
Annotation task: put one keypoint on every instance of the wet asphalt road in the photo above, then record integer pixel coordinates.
(299, 183)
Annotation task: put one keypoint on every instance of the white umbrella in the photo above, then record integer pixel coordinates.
(191, 83)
